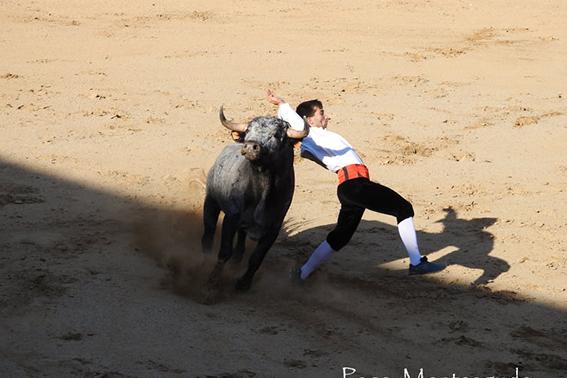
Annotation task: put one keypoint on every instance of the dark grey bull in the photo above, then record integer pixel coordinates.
(252, 183)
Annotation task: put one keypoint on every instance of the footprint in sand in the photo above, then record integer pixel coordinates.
(532, 120)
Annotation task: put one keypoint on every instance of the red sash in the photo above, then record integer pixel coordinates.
(351, 172)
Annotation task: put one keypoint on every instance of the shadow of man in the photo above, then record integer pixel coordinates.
(473, 242)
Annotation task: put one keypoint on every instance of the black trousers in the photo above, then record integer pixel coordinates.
(357, 195)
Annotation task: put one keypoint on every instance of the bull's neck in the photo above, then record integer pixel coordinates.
(278, 163)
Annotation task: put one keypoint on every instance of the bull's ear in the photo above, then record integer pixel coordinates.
(236, 136)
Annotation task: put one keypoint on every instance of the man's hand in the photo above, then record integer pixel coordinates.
(273, 99)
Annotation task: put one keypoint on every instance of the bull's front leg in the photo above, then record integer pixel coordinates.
(264, 244)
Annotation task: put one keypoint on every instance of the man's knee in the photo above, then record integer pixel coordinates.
(406, 211)
(343, 232)
(338, 241)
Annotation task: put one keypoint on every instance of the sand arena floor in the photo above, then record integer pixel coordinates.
(108, 124)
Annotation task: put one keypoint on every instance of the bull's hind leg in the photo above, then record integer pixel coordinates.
(211, 213)
(240, 246)
(256, 259)
(229, 228)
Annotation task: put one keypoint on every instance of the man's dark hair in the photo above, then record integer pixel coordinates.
(307, 108)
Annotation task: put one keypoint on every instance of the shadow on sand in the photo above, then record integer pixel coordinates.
(78, 297)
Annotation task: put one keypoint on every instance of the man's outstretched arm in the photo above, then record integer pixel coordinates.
(308, 155)
(285, 111)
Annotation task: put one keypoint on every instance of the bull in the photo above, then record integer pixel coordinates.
(252, 183)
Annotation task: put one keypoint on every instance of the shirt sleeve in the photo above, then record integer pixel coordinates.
(286, 113)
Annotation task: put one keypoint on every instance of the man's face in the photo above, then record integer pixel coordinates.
(319, 119)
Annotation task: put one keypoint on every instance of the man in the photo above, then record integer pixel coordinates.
(355, 191)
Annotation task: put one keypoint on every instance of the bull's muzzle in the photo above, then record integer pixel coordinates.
(251, 151)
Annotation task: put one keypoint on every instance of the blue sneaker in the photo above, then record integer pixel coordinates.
(425, 267)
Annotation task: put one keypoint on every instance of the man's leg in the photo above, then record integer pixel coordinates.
(409, 238)
(379, 198)
(348, 221)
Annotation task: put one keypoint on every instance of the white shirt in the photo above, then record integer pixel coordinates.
(326, 146)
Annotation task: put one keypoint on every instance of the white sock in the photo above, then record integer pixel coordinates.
(318, 257)
(409, 238)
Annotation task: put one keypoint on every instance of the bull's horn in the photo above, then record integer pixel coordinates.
(234, 126)
(295, 134)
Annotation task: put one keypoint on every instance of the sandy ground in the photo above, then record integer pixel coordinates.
(108, 122)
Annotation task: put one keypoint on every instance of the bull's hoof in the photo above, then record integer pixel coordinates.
(243, 284)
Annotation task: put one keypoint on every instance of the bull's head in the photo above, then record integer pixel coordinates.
(263, 136)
